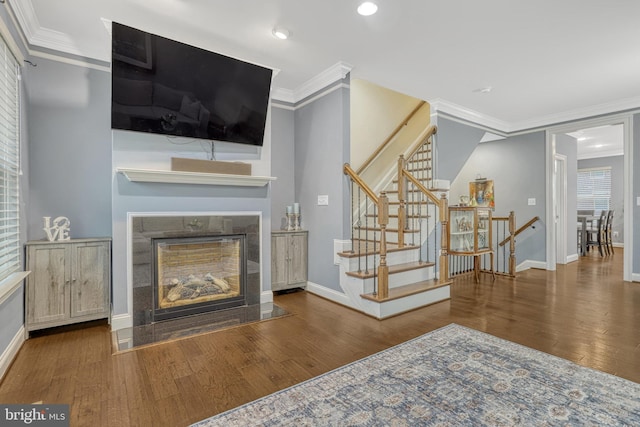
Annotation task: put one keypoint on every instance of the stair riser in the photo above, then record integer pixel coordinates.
(395, 280)
(394, 307)
(393, 258)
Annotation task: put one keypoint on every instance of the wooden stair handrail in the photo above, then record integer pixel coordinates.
(386, 142)
(426, 134)
(356, 178)
(421, 187)
(521, 229)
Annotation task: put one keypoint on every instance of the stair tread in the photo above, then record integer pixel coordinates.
(408, 290)
(391, 230)
(396, 216)
(368, 250)
(393, 269)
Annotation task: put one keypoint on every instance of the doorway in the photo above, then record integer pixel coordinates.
(579, 131)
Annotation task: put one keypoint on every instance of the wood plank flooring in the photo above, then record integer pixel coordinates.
(584, 312)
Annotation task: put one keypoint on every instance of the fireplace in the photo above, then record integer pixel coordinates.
(198, 274)
(190, 264)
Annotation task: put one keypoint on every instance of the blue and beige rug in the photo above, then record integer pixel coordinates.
(453, 376)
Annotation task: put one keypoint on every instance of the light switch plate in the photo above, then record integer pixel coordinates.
(323, 200)
(532, 201)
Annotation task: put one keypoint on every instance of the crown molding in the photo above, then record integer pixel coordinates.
(444, 106)
(599, 154)
(606, 108)
(283, 95)
(327, 77)
(47, 38)
(27, 18)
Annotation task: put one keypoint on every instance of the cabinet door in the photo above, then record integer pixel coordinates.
(279, 261)
(298, 256)
(47, 285)
(90, 279)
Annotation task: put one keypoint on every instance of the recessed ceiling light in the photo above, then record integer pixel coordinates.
(367, 8)
(485, 89)
(281, 33)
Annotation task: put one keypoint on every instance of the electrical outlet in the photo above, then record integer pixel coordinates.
(615, 234)
(531, 201)
(323, 200)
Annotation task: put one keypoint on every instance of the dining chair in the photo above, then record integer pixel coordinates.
(609, 232)
(596, 234)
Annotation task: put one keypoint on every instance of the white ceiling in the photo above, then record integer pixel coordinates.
(545, 60)
(600, 141)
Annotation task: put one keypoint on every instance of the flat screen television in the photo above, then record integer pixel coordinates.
(166, 87)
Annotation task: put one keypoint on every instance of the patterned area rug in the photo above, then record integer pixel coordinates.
(453, 376)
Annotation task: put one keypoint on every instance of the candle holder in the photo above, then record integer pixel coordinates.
(296, 225)
(290, 222)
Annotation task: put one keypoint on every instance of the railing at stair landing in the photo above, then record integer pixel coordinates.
(504, 259)
(414, 184)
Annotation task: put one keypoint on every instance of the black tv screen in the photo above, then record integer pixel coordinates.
(167, 87)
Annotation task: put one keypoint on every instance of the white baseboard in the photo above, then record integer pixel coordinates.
(525, 265)
(635, 277)
(10, 352)
(121, 321)
(573, 258)
(618, 245)
(266, 296)
(330, 294)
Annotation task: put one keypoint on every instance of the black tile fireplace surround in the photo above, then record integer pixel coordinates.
(147, 228)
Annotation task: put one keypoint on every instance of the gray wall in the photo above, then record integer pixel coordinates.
(567, 145)
(11, 318)
(282, 164)
(517, 167)
(455, 142)
(69, 147)
(616, 163)
(321, 149)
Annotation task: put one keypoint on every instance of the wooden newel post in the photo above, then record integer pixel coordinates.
(444, 238)
(512, 244)
(383, 269)
(401, 199)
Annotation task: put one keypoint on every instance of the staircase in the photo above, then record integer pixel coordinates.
(397, 260)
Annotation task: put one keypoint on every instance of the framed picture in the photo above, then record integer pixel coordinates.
(481, 193)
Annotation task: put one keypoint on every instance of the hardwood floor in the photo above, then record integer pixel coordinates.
(584, 312)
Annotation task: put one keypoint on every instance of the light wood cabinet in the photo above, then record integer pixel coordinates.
(470, 233)
(288, 259)
(70, 282)
(469, 230)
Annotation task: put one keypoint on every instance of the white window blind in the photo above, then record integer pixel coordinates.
(594, 189)
(9, 163)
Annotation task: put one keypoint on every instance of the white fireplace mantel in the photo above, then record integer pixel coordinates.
(178, 177)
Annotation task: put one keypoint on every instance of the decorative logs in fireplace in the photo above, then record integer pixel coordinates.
(197, 274)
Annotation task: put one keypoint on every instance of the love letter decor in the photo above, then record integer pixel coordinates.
(59, 230)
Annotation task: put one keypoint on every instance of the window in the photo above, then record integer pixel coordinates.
(594, 189)
(9, 163)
